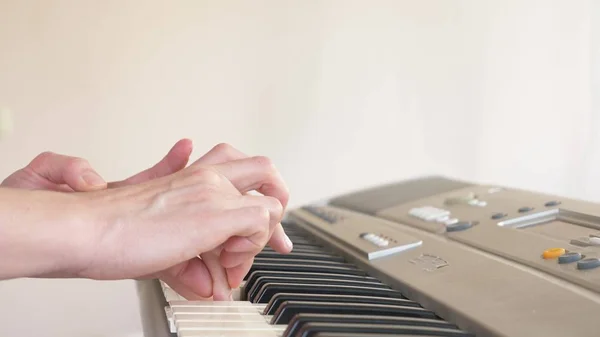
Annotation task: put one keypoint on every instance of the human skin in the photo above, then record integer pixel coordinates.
(202, 226)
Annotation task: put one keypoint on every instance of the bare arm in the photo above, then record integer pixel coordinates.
(153, 229)
(41, 233)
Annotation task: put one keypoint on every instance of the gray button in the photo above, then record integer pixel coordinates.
(588, 263)
(569, 257)
(498, 216)
(525, 209)
(552, 203)
(459, 226)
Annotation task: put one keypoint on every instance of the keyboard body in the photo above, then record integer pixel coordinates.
(490, 260)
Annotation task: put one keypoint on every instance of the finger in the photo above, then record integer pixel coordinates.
(229, 259)
(278, 240)
(236, 275)
(271, 204)
(256, 173)
(175, 160)
(220, 153)
(75, 172)
(190, 279)
(251, 223)
(221, 291)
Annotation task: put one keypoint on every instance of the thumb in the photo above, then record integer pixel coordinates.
(75, 172)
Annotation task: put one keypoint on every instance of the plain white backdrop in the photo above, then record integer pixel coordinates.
(340, 94)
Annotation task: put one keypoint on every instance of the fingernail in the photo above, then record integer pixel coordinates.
(288, 242)
(93, 179)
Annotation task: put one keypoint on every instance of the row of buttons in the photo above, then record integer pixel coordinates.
(498, 216)
(429, 213)
(563, 256)
(375, 239)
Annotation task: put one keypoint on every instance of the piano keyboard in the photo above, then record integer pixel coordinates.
(311, 292)
(428, 257)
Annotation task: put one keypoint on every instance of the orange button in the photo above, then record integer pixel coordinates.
(553, 253)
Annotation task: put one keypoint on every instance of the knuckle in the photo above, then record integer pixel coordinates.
(274, 204)
(76, 163)
(207, 175)
(262, 216)
(264, 162)
(41, 158)
(223, 147)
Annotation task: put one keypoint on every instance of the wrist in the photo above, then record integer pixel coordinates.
(44, 234)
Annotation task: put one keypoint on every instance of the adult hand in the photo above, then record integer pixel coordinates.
(56, 172)
(226, 264)
(228, 267)
(160, 227)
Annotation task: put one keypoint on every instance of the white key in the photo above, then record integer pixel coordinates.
(228, 326)
(217, 309)
(191, 333)
(171, 295)
(223, 318)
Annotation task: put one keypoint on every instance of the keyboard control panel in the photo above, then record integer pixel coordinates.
(554, 235)
(371, 242)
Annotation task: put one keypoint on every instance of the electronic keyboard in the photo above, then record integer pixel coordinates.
(431, 256)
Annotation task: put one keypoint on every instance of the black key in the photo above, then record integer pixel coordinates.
(304, 249)
(352, 270)
(324, 280)
(302, 239)
(311, 330)
(288, 309)
(361, 334)
(255, 283)
(260, 273)
(283, 260)
(280, 298)
(296, 232)
(304, 245)
(299, 320)
(270, 289)
(301, 256)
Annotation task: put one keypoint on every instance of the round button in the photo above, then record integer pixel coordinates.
(569, 257)
(588, 263)
(459, 226)
(553, 253)
(594, 240)
(525, 209)
(552, 203)
(498, 216)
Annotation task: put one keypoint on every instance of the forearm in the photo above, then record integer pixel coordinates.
(40, 233)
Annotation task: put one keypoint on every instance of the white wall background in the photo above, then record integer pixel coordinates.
(340, 94)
